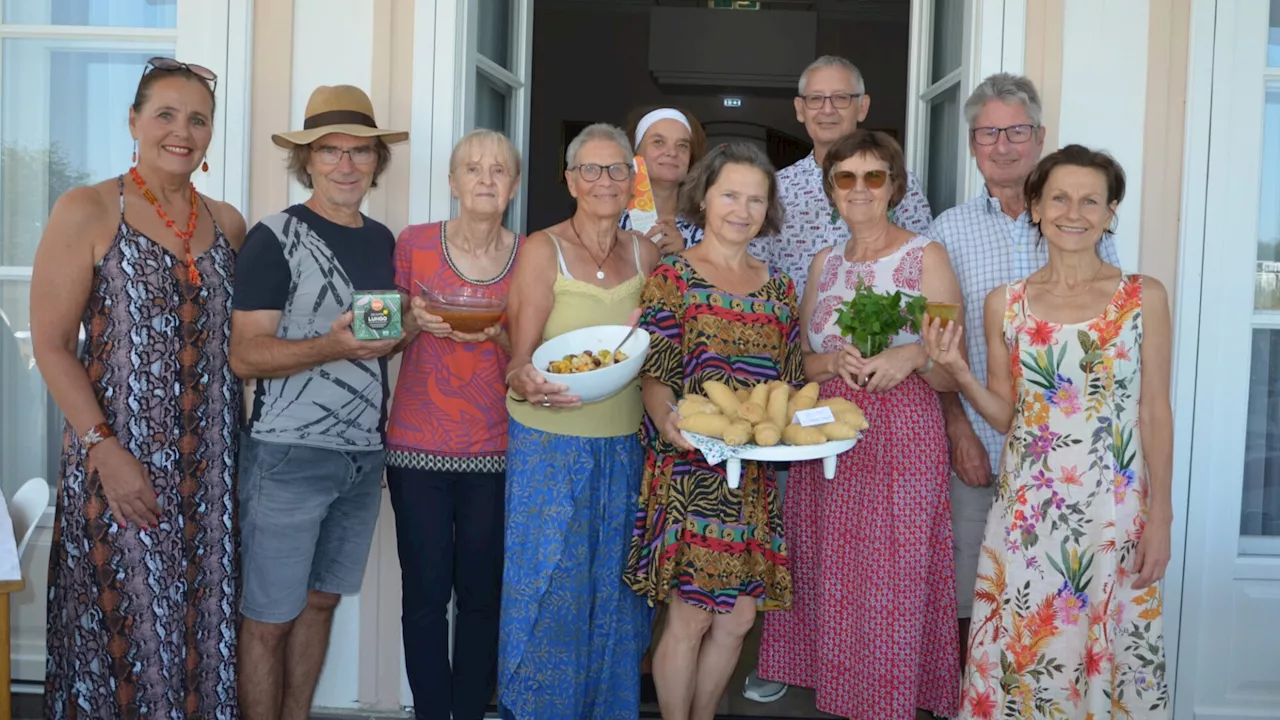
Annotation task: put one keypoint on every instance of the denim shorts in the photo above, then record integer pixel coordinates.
(307, 516)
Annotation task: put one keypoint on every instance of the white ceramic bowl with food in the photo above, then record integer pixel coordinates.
(601, 383)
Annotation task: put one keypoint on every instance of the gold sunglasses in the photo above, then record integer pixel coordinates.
(848, 180)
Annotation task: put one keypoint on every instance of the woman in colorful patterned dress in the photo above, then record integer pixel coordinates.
(670, 141)
(571, 633)
(712, 553)
(1067, 611)
(143, 572)
(447, 438)
(872, 630)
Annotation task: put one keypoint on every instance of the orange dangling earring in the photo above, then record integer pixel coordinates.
(205, 166)
(135, 152)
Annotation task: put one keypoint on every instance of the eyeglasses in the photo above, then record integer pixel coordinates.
(169, 64)
(848, 180)
(591, 171)
(839, 101)
(991, 135)
(330, 155)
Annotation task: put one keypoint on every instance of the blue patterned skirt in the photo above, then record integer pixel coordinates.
(572, 633)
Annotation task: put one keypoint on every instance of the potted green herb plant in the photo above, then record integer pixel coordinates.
(871, 319)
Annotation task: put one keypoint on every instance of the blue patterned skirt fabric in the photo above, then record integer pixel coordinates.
(572, 633)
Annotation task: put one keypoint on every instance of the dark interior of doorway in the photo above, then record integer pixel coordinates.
(591, 63)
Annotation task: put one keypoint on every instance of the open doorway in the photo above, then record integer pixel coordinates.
(598, 60)
(595, 60)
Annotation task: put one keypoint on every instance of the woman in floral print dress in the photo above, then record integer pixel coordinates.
(1067, 611)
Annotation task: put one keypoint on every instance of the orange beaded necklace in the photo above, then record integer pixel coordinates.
(193, 275)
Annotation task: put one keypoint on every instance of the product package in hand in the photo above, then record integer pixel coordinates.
(642, 208)
(769, 413)
(376, 315)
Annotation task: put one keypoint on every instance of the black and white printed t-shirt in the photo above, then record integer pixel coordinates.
(309, 268)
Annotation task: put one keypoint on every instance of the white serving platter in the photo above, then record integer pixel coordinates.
(827, 452)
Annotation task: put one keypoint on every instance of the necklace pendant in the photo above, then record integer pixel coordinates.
(599, 274)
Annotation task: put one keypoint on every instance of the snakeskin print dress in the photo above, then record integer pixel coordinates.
(142, 623)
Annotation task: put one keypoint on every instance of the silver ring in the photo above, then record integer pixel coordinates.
(546, 402)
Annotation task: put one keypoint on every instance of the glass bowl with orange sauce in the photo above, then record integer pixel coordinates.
(467, 309)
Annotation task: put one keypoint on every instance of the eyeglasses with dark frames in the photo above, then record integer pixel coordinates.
(362, 155)
(169, 64)
(839, 101)
(848, 180)
(1015, 133)
(591, 172)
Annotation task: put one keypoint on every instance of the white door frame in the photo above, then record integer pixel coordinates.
(1225, 102)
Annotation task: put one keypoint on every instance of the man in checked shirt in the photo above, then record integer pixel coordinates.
(991, 242)
(831, 101)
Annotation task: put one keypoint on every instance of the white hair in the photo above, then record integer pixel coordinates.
(1007, 88)
(493, 138)
(598, 131)
(833, 61)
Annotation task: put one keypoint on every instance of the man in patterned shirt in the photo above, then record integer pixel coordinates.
(832, 100)
(991, 242)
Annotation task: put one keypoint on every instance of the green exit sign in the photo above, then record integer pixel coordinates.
(734, 4)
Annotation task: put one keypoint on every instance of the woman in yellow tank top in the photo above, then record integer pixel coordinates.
(571, 633)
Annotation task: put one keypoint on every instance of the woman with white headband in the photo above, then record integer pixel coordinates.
(670, 141)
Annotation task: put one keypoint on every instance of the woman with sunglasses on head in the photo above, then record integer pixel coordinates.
(670, 141)
(571, 633)
(142, 581)
(872, 627)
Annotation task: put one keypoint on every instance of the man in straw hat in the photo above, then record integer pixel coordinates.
(311, 457)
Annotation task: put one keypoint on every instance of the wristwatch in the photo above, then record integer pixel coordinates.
(96, 435)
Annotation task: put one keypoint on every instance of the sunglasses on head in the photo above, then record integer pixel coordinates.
(847, 179)
(169, 64)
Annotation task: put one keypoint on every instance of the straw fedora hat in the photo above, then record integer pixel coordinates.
(337, 109)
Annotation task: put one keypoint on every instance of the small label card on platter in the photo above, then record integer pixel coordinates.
(815, 416)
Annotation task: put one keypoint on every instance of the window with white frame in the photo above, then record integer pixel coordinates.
(940, 61)
(1260, 502)
(496, 76)
(68, 71)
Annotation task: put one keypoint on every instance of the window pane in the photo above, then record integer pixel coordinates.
(24, 410)
(1260, 511)
(948, 37)
(102, 13)
(494, 31)
(63, 122)
(944, 146)
(1266, 295)
(491, 104)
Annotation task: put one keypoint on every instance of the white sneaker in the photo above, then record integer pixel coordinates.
(761, 690)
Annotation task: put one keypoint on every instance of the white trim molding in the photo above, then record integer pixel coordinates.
(1108, 40)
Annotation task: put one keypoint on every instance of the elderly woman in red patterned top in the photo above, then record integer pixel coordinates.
(447, 436)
